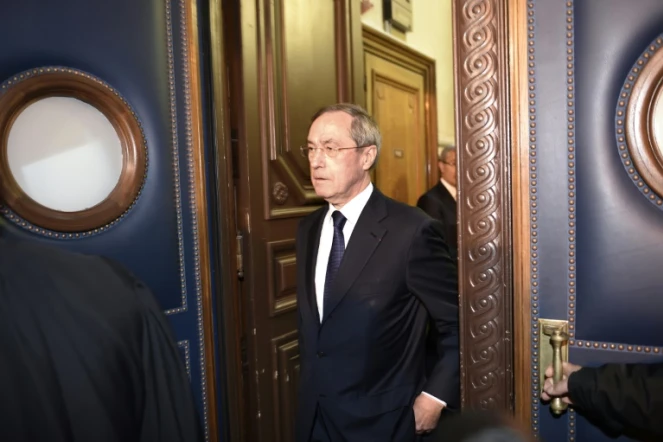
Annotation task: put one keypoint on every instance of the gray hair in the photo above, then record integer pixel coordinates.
(364, 130)
(444, 153)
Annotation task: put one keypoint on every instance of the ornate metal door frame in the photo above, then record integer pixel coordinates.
(483, 138)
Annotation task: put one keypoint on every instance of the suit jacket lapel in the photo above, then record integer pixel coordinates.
(365, 238)
(311, 257)
(444, 194)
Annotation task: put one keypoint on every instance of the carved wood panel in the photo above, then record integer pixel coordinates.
(295, 81)
(285, 369)
(282, 276)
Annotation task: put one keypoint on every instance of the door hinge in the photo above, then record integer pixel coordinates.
(365, 85)
(240, 256)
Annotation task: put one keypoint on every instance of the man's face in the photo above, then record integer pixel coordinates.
(341, 178)
(448, 168)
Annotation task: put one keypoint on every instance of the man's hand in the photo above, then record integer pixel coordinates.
(426, 413)
(562, 387)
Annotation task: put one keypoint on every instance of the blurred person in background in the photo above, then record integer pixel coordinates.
(479, 426)
(440, 201)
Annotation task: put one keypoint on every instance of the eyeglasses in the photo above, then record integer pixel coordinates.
(329, 151)
(450, 164)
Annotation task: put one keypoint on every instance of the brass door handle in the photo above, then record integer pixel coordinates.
(558, 338)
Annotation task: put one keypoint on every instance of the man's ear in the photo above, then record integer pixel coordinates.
(368, 156)
(440, 165)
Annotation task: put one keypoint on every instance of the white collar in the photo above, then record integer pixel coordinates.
(353, 208)
(452, 189)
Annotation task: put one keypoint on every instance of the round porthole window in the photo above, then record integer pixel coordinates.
(72, 162)
(639, 123)
(656, 123)
(72, 153)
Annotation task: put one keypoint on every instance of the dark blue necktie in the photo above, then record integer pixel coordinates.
(335, 257)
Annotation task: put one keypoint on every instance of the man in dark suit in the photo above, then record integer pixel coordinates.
(370, 272)
(440, 201)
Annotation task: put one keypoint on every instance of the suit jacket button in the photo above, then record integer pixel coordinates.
(321, 354)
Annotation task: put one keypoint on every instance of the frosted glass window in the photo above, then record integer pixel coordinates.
(657, 124)
(64, 154)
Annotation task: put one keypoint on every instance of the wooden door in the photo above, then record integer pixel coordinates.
(399, 97)
(286, 60)
(148, 54)
(577, 84)
(396, 101)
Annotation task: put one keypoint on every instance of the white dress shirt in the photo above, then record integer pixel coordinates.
(351, 211)
(452, 189)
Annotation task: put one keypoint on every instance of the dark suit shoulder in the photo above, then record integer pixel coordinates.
(430, 200)
(423, 199)
(48, 271)
(437, 193)
(306, 222)
(431, 193)
(406, 212)
(42, 254)
(37, 258)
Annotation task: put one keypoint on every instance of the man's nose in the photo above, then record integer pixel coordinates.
(317, 158)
